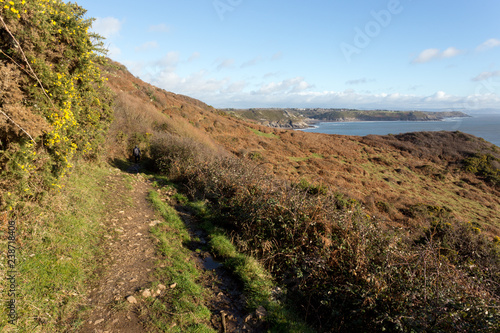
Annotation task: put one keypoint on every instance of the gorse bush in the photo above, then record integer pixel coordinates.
(177, 156)
(55, 104)
(484, 165)
(341, 269)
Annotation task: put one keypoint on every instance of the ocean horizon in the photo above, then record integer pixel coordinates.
(486, 126)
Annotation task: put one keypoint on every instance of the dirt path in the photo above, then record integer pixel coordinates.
(128, 268)
(131, 258)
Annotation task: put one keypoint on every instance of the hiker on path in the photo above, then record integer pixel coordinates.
(137, 154)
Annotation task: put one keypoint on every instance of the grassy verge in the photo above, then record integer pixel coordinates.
(181, 308)
(58, 240)
(258, 283)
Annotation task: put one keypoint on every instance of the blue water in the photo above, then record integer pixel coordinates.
(483, 126)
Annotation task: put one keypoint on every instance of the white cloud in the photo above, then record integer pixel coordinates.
(107, 27)
(270, 74)
(162, 73)
(197, 85)
(287, 86)
(251, 62)
(480, 101)
(147, 46)
(451, 52)
(352, 99)
(113, 51)
(277, 56)
(489, 44)
(225, 63)
(236, 87)
(162, 27)
(170, 59)
(194, 56)
(359, 81)
(415, 87)
(168, 63)
(426, 56)
(439, 96)
(211, 88)
(486, 75)
(431, 54)
(296, 92)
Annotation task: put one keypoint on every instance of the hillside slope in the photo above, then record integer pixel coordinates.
(379, 232)
(389, 174)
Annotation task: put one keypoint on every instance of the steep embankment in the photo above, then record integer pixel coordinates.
(54, 104)
(390, 175)
(54, 113)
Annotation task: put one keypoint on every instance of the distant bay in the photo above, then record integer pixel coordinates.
(486, 126)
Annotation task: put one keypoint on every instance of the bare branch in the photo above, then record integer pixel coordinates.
(26, 60)
(22, 129)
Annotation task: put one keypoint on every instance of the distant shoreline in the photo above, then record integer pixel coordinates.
(314, 121)
(481, 125)
(305, 118)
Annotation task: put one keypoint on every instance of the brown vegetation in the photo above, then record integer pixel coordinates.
(397, 232)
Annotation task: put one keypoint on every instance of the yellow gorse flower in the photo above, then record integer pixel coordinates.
(71, 100)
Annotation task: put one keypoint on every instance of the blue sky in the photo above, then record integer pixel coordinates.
(394, 54)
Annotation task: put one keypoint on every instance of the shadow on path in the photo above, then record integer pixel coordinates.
(131, 167)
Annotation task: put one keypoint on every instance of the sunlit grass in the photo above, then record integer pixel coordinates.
(60, 239)
(181, 308)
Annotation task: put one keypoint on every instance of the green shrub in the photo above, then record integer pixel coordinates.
(312, 189)
(484, 165)
(56, 104)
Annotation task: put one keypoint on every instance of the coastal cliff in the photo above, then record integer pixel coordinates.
(303, 118)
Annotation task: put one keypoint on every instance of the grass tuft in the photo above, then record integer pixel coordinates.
(180, 309)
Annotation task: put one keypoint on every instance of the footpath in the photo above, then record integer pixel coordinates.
(127, 287)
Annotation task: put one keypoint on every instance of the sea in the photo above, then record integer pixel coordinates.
(486, 126)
